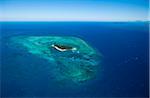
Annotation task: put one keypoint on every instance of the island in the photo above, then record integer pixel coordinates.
(71, 58)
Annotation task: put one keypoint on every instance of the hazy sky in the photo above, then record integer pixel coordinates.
(73, 10)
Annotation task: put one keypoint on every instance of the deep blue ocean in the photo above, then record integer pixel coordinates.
(123, 70)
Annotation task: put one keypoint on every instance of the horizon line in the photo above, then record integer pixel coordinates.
(74, 21)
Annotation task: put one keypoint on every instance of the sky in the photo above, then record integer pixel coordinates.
(74, 10)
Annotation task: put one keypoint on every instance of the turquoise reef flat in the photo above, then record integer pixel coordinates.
(71, 58)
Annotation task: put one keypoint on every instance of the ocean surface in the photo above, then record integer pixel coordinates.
(123, 70)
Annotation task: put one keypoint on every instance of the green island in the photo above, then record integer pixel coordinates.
(71, 57)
